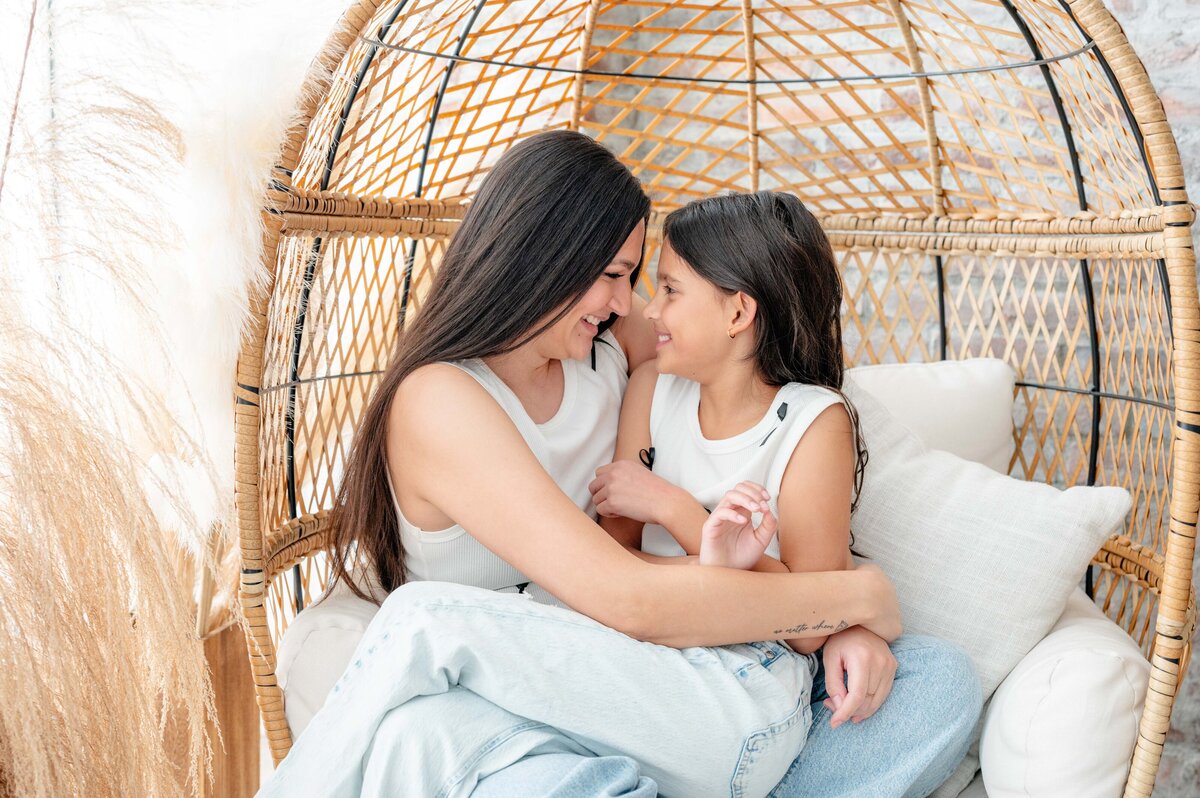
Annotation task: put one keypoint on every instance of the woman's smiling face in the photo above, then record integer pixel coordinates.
(571, 336)
(690, 316)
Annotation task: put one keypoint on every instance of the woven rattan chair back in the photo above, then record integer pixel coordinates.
(997, 176)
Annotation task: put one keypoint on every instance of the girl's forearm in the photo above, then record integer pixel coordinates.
(683, 517)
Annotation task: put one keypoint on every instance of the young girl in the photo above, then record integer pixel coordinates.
(742, 412)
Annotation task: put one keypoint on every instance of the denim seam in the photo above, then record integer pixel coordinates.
(491, 745)
(753, 746)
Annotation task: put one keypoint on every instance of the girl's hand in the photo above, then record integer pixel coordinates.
(729, 538)
(627, 489)
(859, 671)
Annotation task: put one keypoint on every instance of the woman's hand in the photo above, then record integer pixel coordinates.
(627, 489)
(859, 671)
(729, 538)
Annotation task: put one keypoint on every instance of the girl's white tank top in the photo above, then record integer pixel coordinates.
(707, 469)
(570, 446)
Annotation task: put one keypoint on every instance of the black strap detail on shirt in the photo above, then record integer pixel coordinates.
(647, 457)
(782, 413)
(594, 342)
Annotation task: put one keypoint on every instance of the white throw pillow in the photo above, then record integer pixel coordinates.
(977, 558)
(1064, 722)
(959, 406)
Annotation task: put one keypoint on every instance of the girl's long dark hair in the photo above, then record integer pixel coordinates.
(770, 247)
(547, 220)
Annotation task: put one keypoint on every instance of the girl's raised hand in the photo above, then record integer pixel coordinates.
(729, 537)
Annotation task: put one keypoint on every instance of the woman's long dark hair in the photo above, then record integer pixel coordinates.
(770, 247)
(548, 219)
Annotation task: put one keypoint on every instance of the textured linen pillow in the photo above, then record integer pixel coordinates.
(960, 406)
(1065, 721)
(977, 558)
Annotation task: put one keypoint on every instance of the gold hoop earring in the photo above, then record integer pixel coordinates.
(731, 334)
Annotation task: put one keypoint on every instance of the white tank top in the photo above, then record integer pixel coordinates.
(707, 469)
(570, 446)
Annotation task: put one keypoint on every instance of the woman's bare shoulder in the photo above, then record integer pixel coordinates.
(436, 395)
(435, 383)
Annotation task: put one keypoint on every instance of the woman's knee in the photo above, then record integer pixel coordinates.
(427, 592)
(413, 600)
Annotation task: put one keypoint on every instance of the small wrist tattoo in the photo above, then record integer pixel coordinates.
(820, 626)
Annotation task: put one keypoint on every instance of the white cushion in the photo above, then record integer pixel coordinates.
(1064, 722)
(977, 558)
(315, 649)
(960, 406)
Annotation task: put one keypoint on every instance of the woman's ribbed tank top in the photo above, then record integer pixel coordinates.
(570, 446)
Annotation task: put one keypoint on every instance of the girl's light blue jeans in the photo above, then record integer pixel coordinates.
(908, 748)
(451, 684)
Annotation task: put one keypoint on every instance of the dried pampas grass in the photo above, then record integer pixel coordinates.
(104, 689)
(129, 244)
(97, 649)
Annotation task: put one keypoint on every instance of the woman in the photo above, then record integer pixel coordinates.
(460, 436)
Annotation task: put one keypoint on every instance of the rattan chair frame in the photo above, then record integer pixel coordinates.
(299, 213)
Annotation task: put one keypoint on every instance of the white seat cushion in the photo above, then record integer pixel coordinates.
(315, 649)
(1064, 722)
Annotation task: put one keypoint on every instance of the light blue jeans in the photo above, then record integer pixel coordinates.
(451, 684)
(908, 748)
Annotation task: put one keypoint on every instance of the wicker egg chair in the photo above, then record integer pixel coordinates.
(998, 178)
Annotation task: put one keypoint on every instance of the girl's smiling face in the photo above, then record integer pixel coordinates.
(692, 318)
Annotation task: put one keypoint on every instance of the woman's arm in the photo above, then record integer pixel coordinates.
(455, 449)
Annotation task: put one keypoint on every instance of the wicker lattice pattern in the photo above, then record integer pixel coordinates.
(997, 176)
